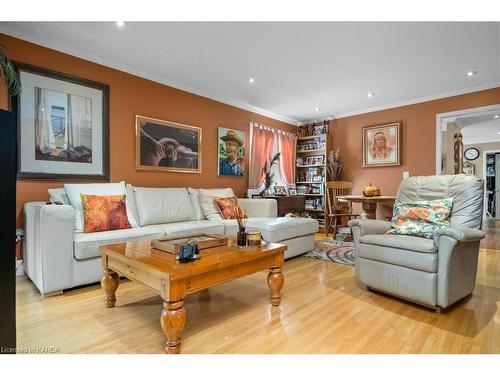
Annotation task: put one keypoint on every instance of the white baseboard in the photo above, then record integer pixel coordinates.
(19, 268)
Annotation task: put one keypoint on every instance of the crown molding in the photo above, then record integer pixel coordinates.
(245, 106)
(420, 100)
(130, 70)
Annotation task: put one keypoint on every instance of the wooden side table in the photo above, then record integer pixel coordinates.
(368, 204)
(289, 203)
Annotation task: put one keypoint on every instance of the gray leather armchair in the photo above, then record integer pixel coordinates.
(433, 272)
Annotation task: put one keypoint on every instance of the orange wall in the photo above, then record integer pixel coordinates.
(418, 139)
(129, 96)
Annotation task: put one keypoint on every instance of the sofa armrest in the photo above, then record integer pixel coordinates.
(459, 234)
(370, 226)
(259, 207)
(48, 247)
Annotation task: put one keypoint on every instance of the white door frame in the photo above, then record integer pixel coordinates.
(485, 199)
(442, 119)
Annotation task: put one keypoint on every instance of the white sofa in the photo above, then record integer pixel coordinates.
(56, 257)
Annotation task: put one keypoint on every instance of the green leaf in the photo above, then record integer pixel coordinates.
(9, 74)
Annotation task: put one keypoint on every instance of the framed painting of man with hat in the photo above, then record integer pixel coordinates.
(231, 155)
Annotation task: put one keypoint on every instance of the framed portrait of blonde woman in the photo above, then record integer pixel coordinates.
(382, 145)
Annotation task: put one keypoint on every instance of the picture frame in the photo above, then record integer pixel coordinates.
(382, 145)
(63, 126)
(168, 146)
(230, 152)
(279, 190)
(292, 191)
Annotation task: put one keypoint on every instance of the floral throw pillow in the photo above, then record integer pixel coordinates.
(104, 212)
(227, 207)
(422, 218)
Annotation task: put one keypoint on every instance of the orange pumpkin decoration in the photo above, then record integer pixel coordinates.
(370, 191)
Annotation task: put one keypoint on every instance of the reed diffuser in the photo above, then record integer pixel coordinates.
(241, 218)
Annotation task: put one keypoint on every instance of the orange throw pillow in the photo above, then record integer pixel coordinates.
(227, 207)
(104, 212)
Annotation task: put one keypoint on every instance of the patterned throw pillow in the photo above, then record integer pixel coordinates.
(104, 212)
(227, 207)
(422, 218)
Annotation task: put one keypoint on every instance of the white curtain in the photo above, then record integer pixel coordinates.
(44, 134)
(79, 120)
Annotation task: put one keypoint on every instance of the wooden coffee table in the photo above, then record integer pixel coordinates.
(174, 281)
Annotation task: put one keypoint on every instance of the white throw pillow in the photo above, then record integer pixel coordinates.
(194, 194)
(163, 205)
(74, 190)
(133, 216)
(208, 206)
(58, 196)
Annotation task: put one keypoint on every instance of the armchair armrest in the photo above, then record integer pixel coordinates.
(48, 250)
(369, 226)
(259, 207)
(459, 234)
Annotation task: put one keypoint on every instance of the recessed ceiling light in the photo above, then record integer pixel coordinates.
(498, 133)
(120, 23)
(496, 116)
(251, 80)
(471, 73)
(316, 109)
(371, 94)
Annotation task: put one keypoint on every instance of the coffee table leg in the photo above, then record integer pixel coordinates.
(275, 280)
(109, 283)
(173, 319)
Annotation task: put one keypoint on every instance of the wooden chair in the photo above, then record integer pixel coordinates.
(336, 210)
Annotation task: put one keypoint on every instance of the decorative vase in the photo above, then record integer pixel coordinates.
(241, 237)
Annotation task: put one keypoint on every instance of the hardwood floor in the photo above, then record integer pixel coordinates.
(492, 229)
(323, 310)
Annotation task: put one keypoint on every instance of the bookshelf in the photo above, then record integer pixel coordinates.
(310, 168)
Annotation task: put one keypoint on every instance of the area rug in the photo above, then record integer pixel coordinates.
(338, 251)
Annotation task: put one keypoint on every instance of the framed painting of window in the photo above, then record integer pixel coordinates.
(63, 126)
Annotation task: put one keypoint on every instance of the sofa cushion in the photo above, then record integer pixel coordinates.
(58, 196)
(411, 243)
(133, 216)
(421, 218)
(422, 261)
(163, 205)
(190, 227)
(207, 201)
(74, 190)
(86, 245)
(194, 194)
(104, 212)
(276, 229)
(229, 208)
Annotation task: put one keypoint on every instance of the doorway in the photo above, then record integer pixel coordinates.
(480, 128)
(491, 175)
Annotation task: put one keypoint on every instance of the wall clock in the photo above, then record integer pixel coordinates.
(471, 153)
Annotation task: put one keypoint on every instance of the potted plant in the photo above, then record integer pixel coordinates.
(9, 74)
(269, 176)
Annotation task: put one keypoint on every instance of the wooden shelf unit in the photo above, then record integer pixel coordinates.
(305, 168)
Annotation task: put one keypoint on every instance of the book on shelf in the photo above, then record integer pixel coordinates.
(314, 204)
(311, 144)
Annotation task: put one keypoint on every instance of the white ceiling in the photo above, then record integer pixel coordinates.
(482, 128)
(297, 66)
